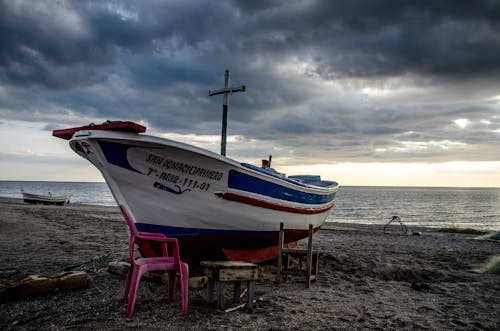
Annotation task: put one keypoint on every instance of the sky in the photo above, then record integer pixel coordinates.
(394, 92)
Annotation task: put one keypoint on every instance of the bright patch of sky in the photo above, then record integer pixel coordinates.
(416, 146)
(461, 122)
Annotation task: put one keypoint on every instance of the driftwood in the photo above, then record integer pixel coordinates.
(118, 268)
(121, 269)
(35, 284)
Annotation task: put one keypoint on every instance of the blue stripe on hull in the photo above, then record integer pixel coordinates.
(116, 154)
(248, 183)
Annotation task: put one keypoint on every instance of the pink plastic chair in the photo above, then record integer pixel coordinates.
(140, 266)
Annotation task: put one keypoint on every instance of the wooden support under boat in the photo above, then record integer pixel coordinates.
(220, 272)
(287, 255)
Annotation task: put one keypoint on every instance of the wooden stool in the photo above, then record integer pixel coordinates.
(285, 255)
(220, 272)
(301, 257)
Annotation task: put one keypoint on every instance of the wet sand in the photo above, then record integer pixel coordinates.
(367, 279)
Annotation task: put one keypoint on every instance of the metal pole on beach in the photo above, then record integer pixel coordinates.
(226, 90)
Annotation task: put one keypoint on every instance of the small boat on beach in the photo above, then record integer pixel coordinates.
(215, 206)
(45, 199)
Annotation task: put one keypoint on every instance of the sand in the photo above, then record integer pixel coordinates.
(367, 280)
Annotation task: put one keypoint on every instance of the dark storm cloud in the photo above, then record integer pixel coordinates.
(345, 39)
(155, 61)
(454, 38)
(375, 38)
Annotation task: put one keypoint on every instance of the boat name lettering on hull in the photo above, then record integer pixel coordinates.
(184, 167)
(169, 177)
(178, 181)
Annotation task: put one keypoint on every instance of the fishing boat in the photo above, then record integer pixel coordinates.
(45, 199)
(214, 205)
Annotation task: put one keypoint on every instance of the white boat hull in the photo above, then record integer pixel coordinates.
(209, 202)
(45, 199)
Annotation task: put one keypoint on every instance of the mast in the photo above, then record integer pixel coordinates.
(226, 91)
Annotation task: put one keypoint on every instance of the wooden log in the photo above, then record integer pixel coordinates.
(118, 268)
(35, 284)
(71, 280)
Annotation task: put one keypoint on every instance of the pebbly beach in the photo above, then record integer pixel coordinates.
(367, 279)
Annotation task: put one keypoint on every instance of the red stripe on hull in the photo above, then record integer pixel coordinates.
(270, 205)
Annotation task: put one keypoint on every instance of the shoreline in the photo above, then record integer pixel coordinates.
(366, 279)
(327, 224)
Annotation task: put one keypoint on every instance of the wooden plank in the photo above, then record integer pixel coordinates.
(295, 251)
(237, 291)
(210, 290)
(221, 303)
(230, 270)
(237, 274)
(309, 256)
(227, 264)
(251, 291)
(281, 240)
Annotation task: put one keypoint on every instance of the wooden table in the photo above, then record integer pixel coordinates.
(220, 272)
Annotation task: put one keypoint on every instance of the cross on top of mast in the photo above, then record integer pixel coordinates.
(226, 91)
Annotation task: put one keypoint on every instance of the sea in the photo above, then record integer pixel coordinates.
(477, 208)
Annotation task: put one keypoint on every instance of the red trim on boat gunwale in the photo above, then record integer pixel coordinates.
(112, 126)
(270, 205)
